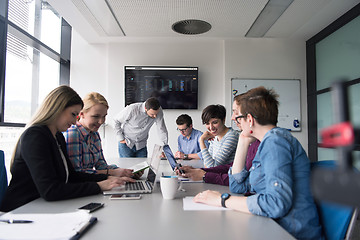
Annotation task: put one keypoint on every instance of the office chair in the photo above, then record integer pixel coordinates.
(337, 220)
(3, 176)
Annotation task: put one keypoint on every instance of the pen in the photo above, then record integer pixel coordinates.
(86, 227)
(15, 221)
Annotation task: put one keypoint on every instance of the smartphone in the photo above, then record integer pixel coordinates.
(92, 206)
(126, 196)
(178, 165)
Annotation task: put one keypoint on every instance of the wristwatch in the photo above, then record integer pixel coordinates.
(186, 156)
(224, 197)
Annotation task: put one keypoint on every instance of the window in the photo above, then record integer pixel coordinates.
(33, 61)
(39, 74)
(333, 55)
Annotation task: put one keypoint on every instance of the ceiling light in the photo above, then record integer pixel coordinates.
(103, 13)
(268, 16)
(191, 27)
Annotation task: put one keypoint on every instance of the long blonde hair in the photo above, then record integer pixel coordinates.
(92, 99)
(53, 105)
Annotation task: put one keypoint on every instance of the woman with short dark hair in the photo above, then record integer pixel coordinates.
(222, 140)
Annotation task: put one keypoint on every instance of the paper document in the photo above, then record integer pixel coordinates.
(140, 167)
(44, 226)
(190, 205)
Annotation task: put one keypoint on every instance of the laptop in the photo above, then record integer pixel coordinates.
(172, 161)
(141, 186)
(146, 164)
(170, 157)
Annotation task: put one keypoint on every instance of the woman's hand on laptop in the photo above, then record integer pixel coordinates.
(138, 174)
(112, 182)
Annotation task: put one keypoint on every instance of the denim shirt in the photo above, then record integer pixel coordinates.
(280, 179)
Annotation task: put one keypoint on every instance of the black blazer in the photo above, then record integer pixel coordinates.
(38, 171)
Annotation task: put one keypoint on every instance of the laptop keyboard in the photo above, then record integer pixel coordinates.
(149, 185)
(134, 186)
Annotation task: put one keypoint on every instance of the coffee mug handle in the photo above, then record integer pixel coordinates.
(180, 187)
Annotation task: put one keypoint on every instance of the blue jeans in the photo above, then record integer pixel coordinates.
(125, 151)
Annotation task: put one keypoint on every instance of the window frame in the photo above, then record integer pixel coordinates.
(63, 57)
(312, 91)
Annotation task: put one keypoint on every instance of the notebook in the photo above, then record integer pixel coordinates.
(142, 186)
(141, 166)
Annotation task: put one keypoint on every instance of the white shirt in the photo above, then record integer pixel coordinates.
(133, 124)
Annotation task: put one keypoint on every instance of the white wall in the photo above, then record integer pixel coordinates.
(268, 59)
(88, 66)
(101, 68)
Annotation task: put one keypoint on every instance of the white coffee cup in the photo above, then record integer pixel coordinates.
(169, 185)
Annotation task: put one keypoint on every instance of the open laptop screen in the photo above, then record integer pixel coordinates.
(151, 177)
(169, 155)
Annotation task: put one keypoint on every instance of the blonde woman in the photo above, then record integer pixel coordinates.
(83, 140)
(40, 165)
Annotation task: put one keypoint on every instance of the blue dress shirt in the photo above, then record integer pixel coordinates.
(190, 145)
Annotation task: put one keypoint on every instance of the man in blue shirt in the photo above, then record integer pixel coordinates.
(188, 141)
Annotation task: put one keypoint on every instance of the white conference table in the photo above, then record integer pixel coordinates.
(153, 217)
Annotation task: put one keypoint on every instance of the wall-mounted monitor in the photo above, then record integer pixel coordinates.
(174, 87)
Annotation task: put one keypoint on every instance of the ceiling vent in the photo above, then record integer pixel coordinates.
(191, 27)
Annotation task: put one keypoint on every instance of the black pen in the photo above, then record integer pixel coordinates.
(15, 221)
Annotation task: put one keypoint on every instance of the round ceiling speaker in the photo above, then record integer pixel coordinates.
(191, 27)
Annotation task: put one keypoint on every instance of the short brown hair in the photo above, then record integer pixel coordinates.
(184, 119)
(262, 104)
(237, 98)
(152, 103)
(213, 111)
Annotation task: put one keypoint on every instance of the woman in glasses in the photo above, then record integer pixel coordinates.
(222, 140)
(280, 173)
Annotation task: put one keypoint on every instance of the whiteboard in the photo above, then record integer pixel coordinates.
(289, 98)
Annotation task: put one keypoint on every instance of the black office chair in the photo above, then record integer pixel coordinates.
(3, 176)
(337, 220)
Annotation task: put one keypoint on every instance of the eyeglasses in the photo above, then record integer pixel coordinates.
(237, 119)
(182, 130)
